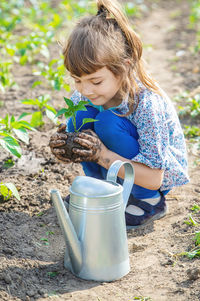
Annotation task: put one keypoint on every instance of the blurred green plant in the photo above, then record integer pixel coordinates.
(6, 78)
(192, 107)
(54, 72)
(11, 130)
(191, 131)
(194, 19)
(131, 9)
(42, 107)
(7, 190)
(27, 48)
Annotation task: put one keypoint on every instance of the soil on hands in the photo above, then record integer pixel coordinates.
(71, 144)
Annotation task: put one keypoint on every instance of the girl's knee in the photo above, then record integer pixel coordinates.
(117, 133)
(111, 123)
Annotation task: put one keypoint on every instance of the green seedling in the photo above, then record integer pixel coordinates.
(191, 222)
(11, 130)
(54, 72)
(52, 274)
(27, 48)
(191, 254)
(8, 164)
(191, 131)
(76, 9)
(45, 240)
(41, 103)
(40, 213)
(7, 190)
(195, 208)
(6, 78)
(192, 108)
(194, 22)
(72, 110)
(50, 233)
(132, 9)
(197, 238)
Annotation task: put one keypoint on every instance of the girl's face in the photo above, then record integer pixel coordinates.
(100, 87)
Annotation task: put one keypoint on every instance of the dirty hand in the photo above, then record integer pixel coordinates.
(58, 140)
(93, 147)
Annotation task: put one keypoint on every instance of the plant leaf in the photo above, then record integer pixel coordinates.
(23, 115)
(31, 102)
(36, 120)
(52, 116)
(197, 238)
(22, 135)
(15, 150)
(69, 102)
(62, 111)
(13, 189)
(86, 120)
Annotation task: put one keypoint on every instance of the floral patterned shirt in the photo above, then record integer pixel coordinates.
(161, 140)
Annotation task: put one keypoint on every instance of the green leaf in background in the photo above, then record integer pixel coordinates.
(36, 83)
(13, 189)
(31, 102)
(5, 192)
(57, 84)
(197, 238)
(15, 150)
(23, 115)
(36, 120)
(8, 164)
(52, 116)
(22, 135)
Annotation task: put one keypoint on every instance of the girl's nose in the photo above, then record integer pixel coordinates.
(86, 91)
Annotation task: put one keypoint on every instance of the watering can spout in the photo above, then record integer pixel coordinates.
(71, 239)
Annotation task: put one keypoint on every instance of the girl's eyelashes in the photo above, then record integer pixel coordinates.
(97, 83)
(78, 82)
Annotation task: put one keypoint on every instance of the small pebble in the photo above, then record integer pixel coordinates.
(193, 274)
(7, 279)
(31, 293)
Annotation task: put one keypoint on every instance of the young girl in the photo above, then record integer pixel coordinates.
(136, 120)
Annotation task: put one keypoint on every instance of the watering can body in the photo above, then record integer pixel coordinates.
(95, 229)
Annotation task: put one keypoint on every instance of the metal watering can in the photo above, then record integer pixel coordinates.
(95, 228)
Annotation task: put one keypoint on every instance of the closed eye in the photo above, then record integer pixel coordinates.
(97, 83)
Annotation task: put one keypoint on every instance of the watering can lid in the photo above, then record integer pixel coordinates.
(91, 187)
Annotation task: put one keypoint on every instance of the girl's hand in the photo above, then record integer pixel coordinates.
(94, 148)
(56, 142)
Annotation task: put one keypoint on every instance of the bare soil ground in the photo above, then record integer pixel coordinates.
(30, 269)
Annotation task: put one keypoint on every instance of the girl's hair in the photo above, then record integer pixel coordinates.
(107, 40)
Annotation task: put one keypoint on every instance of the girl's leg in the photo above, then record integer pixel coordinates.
(120, 136)
(90, 169)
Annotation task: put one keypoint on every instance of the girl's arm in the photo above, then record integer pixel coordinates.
(144, 176)
(96, 151)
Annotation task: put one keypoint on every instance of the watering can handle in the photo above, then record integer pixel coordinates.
(128, 179)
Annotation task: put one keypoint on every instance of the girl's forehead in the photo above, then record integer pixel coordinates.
(97, 74)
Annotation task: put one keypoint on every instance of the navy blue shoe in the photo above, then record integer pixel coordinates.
(151, 212)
